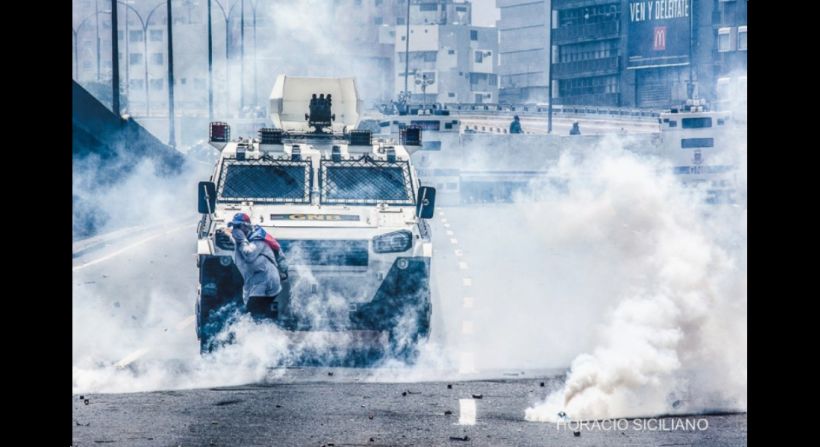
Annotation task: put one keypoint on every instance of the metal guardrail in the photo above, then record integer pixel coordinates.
(558, 109)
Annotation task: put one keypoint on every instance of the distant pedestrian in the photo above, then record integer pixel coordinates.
(515, 126)
(576, 129)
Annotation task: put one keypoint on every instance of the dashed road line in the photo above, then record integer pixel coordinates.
(130, 358)
(466, 411)
(128, 247)
(469, 302)
(139, 353)
(463, 265)
(467, 327)
(458, 252)
(468, 282)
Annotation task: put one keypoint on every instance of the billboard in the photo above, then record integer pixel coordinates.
(658, 33)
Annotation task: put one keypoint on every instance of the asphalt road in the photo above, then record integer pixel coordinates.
(343, 413)
(500, 324)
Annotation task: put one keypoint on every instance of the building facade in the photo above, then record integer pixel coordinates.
(646, 54)
(523, 47)
(450, 61)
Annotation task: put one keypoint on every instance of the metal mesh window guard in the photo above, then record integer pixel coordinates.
(265, 181)
(365, 182)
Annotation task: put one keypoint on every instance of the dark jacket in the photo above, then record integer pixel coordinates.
(515, 127)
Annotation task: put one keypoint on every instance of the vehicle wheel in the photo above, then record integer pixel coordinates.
(403, 345)
(212, 316)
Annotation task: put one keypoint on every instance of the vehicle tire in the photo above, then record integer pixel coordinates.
(212, 316)
(404, 346)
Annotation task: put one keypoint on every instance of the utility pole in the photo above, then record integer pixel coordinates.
(171, 133)
(241, 55)
(97, 18)
(407, 51)
(210, 67)
(549, 76)
(115, 60)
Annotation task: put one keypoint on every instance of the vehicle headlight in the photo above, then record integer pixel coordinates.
(393, 242)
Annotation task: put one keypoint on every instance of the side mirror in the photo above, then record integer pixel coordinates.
(207, 197)
(426, 202)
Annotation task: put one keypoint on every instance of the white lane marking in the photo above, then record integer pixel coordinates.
(462, 265)
(466, 364)
(466, 412)
(128, 247)
(454, 241)
(467, 327)
(128, 359)
(136, 355)
(468, 282)
(443, 220)
(446, 225)
(468, 302)
(441, 212)
(185, 323)
(458, 252)
(450, 232)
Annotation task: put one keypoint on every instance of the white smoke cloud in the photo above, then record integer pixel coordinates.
(674, 339)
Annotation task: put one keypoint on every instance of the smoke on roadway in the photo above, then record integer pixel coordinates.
(611, 269)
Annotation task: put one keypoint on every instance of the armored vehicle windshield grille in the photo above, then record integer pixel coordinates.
(365, 182)
(326, 252)
(265, 181)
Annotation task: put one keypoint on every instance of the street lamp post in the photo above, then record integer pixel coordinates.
(171, 133)
(255, 97)
(549, 76)
(115, 61)
(97, 18)
(407, 50)
(210, 67)
(241, 55)
(144, 24)
(227, 17)
(76, 32)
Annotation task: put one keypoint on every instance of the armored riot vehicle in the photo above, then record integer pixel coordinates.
(347, 210)
(698, 140)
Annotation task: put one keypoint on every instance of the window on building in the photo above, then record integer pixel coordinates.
(696, 123)
(378, 20)
(724, 39)
(199, 83)
(479, 57)
(399, 20)
(742, 44)
(119, 35)
(429, 56)
(183, 81)
(473, 34)
(378, 2)
(157, 84)
(157, 58)
(451, 51)
(135, 35)
(135, 58)
(492, 79)
(428, 7)
(156, 35)
(137, 84)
